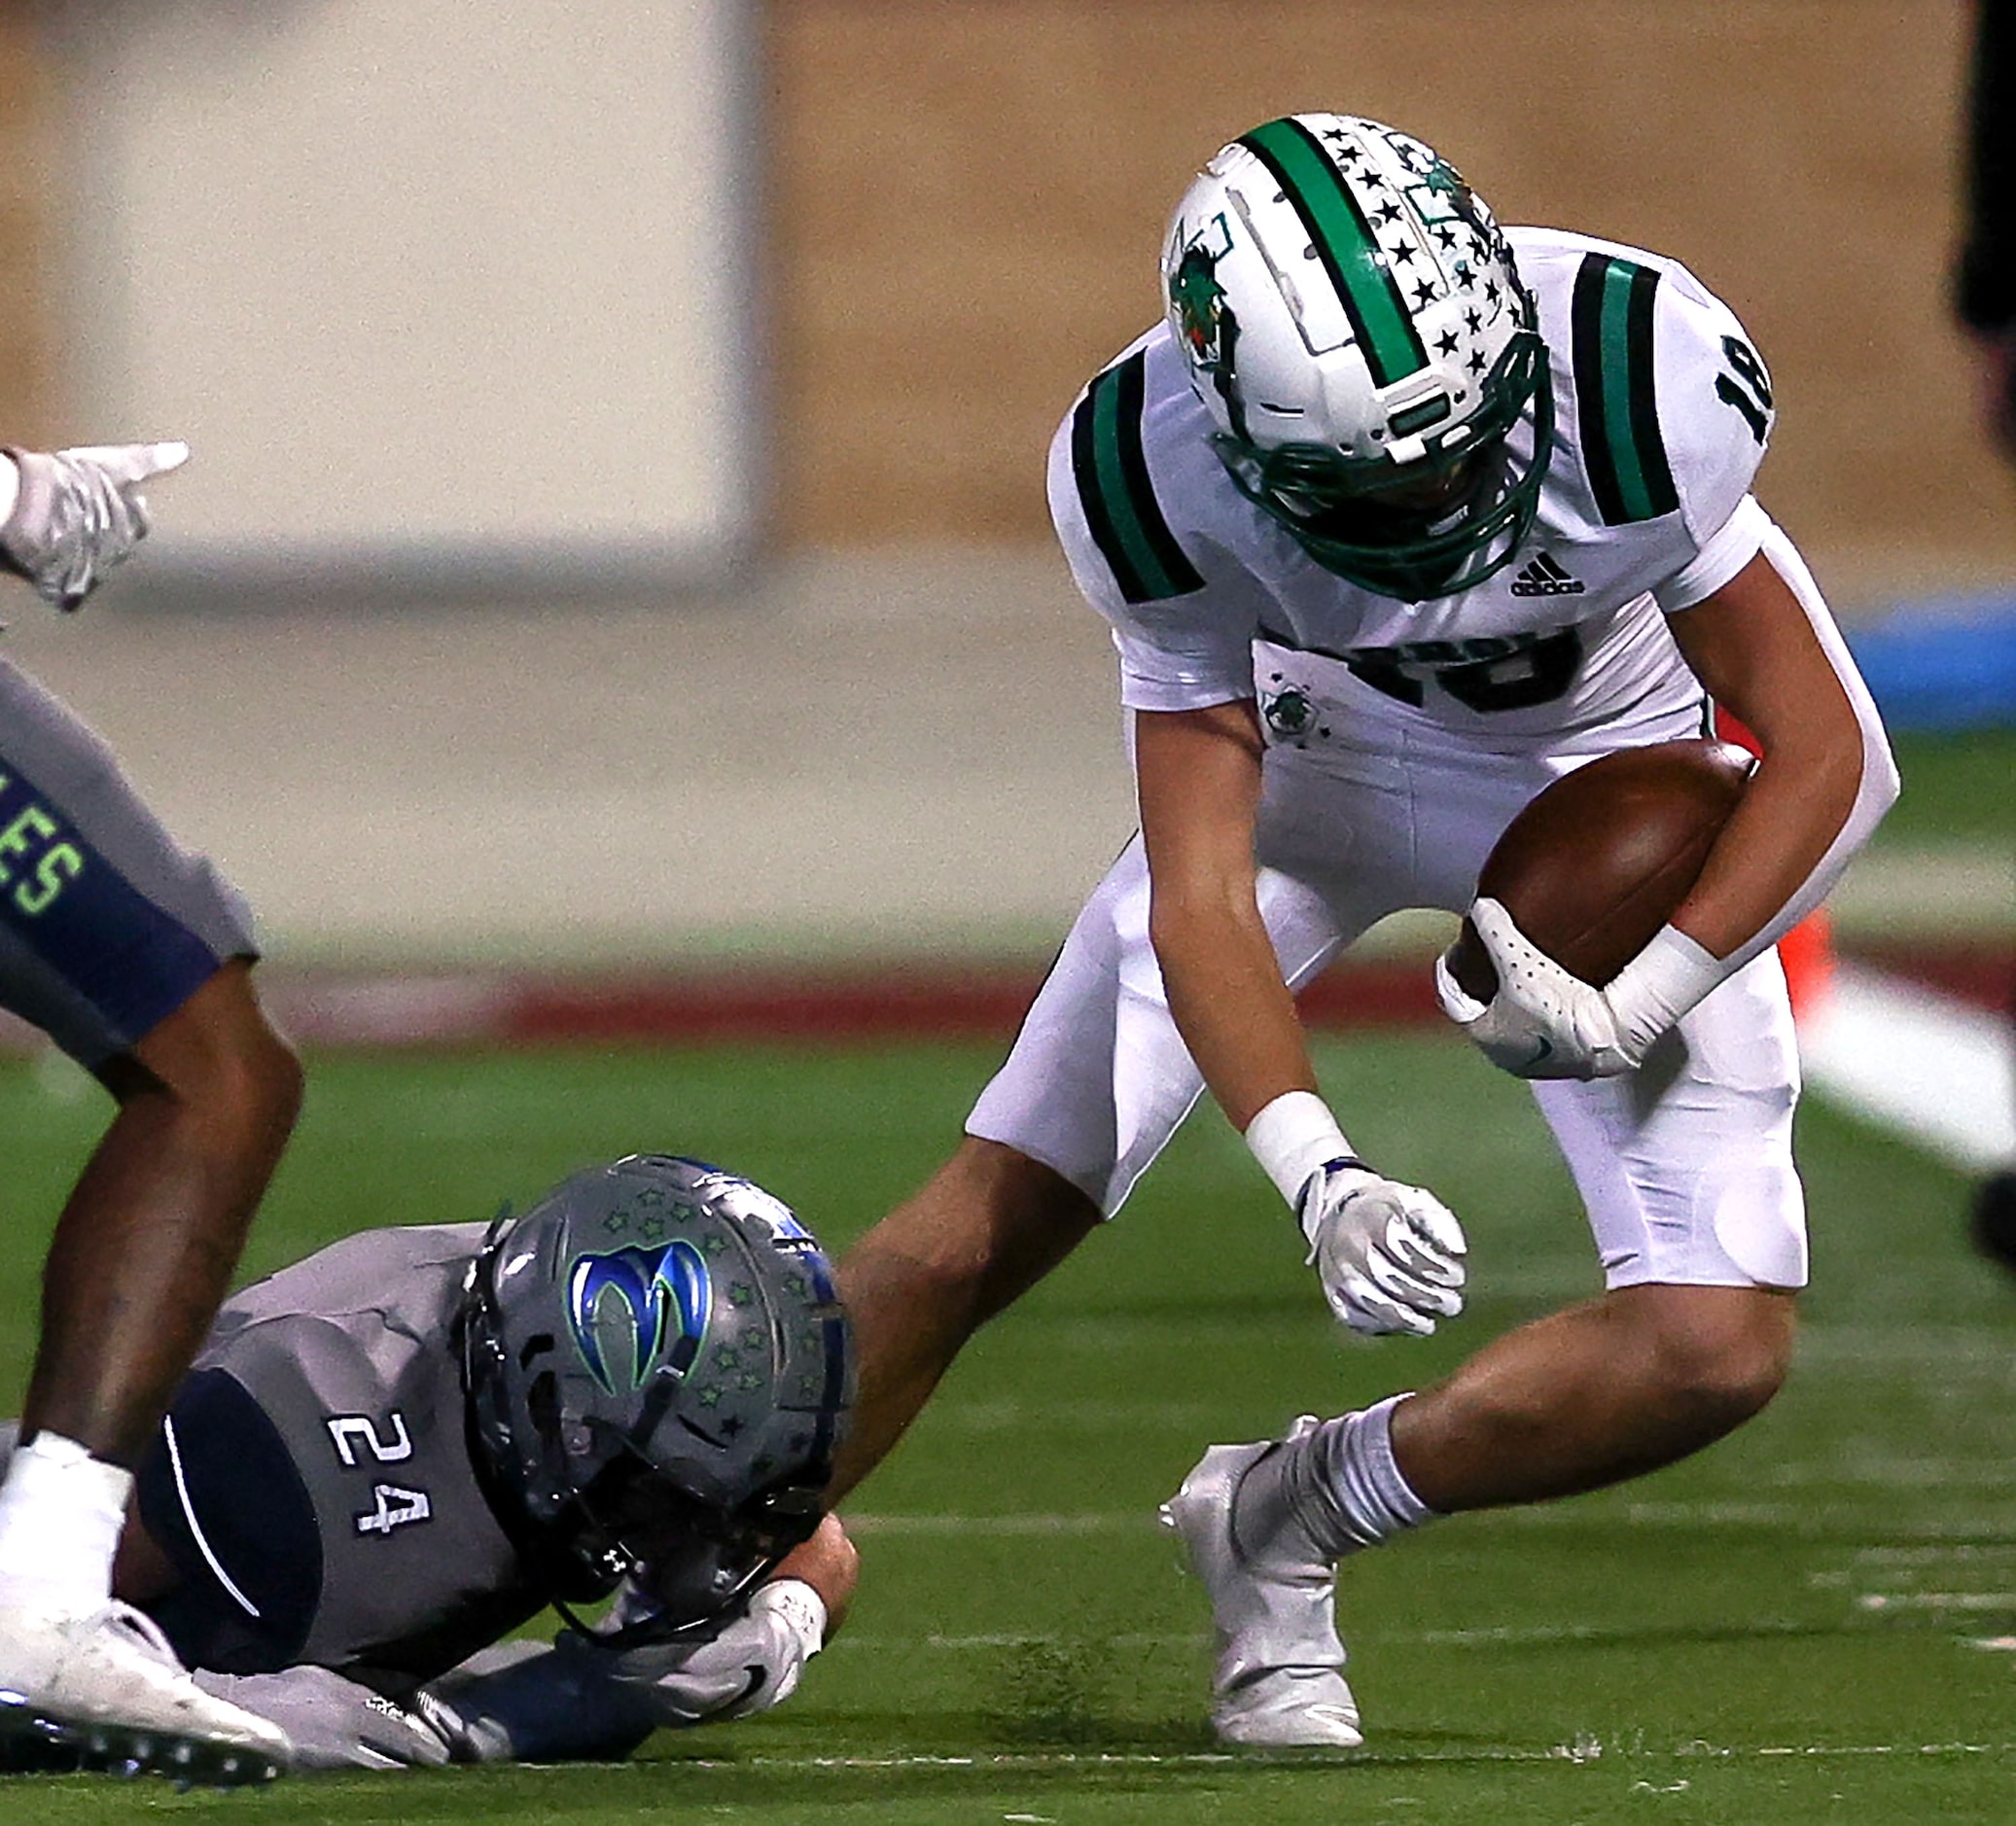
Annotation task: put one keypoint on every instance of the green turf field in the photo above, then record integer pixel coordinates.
(1809, 1623)
(1956, 789)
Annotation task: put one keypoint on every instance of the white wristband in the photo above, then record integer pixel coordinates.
(1291, 1137)
(801, 1608)
(1662, 983)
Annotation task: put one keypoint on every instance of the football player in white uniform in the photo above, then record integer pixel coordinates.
(1397, 517)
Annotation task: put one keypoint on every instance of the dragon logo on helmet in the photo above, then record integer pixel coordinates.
(1204, 319)
(655, 1299)
(1208, 328)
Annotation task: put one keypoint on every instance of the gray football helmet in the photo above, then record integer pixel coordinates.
(658, 1373)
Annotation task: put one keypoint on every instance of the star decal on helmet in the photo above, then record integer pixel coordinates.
(1444, 179)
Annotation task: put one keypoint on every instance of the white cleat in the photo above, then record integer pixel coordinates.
(102, 1690)
(1279, 1682)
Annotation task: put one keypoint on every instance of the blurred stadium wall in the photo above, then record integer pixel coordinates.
(884, 725)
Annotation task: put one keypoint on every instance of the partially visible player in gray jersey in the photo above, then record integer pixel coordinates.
(393, 1453)
(135, 957)
(1397, 517)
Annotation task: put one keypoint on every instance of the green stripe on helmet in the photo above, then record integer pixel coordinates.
(1344, 244)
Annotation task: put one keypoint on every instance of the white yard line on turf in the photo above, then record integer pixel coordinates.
(1581, 1751)
(1494, 1635)
(1942, 1073)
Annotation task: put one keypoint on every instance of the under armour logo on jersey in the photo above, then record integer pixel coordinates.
(633, 1297)
(1545, 578)
(396, 1507)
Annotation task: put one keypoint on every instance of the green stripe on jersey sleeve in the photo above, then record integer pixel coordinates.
(1616, 403)
(1113, 489)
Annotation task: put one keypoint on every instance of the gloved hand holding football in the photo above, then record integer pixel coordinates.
(1567, 966)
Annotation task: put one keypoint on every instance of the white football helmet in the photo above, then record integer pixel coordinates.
(1355, 325)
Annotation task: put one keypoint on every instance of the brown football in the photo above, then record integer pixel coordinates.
(1597, 863)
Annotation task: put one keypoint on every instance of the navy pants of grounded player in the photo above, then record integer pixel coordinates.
(107, 926)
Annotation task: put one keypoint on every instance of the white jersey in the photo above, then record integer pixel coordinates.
(1662, 410)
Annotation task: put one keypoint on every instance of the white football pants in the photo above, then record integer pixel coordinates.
(1684, 1167)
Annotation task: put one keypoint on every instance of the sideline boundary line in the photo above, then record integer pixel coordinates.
(1916, 1061)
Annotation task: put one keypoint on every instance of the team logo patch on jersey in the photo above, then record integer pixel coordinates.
(1545, 578)
(634, 1304)
(1290, 714)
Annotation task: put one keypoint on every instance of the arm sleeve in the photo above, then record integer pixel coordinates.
(583, 1699)
(529, 1702)
(1878, 788)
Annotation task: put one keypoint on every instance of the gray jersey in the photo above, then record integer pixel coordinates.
(313, 1481)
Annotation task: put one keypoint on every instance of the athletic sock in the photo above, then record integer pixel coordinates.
(60, 1514)
(1328, 1491)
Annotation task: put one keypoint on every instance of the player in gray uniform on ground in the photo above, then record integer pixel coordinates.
(135, 958)
(1397, 517)
(395, 1452)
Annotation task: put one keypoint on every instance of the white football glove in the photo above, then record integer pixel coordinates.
(753, 1664)
(331, 1722)
(78, 512)
(1546, 1023)
(1390, 1256)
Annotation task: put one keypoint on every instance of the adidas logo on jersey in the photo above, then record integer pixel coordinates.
(1545, 578)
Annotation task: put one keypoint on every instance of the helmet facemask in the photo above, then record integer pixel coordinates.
(690, 1560)
(1441, 523)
